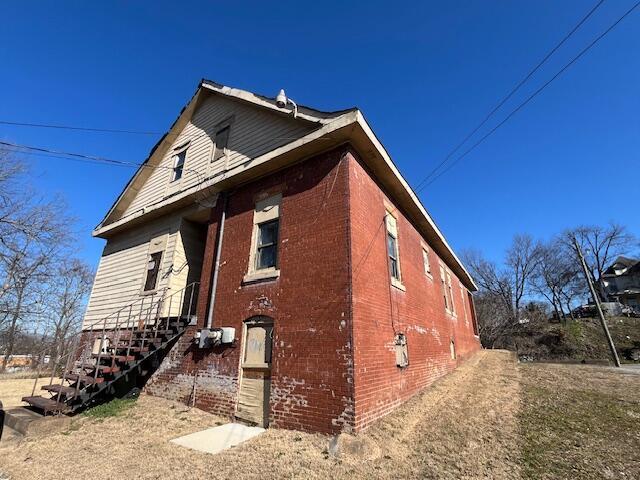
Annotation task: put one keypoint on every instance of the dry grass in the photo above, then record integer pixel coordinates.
(580, 422)
(13, 389)
(463, 427)
(491, 418)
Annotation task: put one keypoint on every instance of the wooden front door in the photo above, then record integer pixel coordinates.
(255, 381)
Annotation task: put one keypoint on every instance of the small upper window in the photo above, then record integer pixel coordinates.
(425, 261)
(222, 140)
(267, 246)
(178, 165)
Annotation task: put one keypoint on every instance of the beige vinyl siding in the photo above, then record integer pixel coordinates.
(122, 270)
(253, 132)
(187, 265)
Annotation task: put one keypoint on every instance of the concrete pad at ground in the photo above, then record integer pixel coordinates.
(217, 439)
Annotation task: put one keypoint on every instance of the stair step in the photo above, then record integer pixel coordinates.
(132, 349)
(86, 379)
(152, 333)
(119, 358)
(102, 368)
(62, 389)
(45, 404)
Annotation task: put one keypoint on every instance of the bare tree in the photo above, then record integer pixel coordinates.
(600, 246)
(556, 277)
(65, 303)
(33, 236)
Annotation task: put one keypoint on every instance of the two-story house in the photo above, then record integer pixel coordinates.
(292, 228)
(622, 281)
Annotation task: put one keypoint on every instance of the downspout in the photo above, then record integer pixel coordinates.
(216, 265)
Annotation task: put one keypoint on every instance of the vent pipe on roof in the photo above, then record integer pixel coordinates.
(282, 101)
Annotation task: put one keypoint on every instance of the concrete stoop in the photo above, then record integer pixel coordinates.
(30, 423)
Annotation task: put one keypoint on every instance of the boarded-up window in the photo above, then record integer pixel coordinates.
(425, 261)
(258, 345)
(153, 268)
(222, 140)
(402, 354)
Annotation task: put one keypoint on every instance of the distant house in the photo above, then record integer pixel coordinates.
(622, 281)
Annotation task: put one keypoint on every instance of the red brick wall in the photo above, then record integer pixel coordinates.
(381, 310)
(310, 303)
(334, 310)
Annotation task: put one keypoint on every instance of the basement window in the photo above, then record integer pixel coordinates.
(452, 348)
(402, 354)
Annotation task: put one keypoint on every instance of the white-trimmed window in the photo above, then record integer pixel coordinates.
(443, 284)
(153, 266)
(221, 142)
(452, 304)
(425, 261)
(463, 292)
(178, 159)
(263, 259)
(393, 250)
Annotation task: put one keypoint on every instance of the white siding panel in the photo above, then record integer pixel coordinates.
(253, 132)
(122, 269)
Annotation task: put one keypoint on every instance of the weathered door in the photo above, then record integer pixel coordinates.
(255, 382)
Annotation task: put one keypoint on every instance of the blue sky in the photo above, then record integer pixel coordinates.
(424, 75)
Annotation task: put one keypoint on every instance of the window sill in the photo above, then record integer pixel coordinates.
(398, 284)
(429, 276)
(255, 277)
(256, 365)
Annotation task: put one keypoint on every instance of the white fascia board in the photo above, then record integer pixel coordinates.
(256, 100)
(417, 203)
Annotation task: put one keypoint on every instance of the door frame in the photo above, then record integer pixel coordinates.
(254, 320)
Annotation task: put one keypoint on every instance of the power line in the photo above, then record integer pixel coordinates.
(39, 151)
(510, 94)
(84, 129)
(531, 97)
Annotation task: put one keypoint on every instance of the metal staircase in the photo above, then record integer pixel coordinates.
(115, 349)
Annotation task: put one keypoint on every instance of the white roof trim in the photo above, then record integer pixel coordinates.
(383, 152)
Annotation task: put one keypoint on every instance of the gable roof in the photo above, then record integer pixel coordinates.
(331, 129)
(631, 265)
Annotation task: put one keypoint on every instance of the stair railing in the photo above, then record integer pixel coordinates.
(124, 321)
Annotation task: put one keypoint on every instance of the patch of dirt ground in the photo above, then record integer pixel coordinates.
(465, 426)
